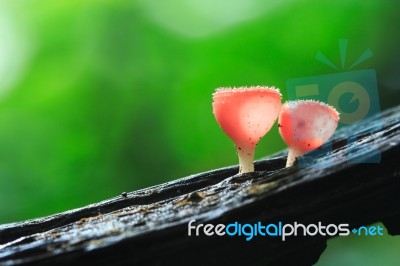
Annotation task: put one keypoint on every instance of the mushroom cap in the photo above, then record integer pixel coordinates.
(306, 125)
(246, 114)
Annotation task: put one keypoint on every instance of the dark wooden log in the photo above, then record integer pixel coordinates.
(150, 226)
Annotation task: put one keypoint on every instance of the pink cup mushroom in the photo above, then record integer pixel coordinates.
(305, 126)
(246, 114)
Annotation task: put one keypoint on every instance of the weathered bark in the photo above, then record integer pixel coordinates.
(149, 226)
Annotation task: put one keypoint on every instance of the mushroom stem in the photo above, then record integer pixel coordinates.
(246, 160)
(292, 157)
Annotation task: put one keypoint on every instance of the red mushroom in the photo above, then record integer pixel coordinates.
(246, 114)
(305, 126)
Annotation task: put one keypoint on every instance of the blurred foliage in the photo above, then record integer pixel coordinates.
(362, 250)
(100, 97)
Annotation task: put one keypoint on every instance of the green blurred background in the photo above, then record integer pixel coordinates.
(98, 97)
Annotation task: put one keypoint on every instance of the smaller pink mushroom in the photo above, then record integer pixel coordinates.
(305, 126)
(246, 114)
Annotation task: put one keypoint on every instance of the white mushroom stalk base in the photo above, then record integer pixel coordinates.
(292, 157)
(246, 161)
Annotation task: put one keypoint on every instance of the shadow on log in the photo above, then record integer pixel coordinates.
(150, 226)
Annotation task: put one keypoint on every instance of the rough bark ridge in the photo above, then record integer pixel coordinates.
(149, 226)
